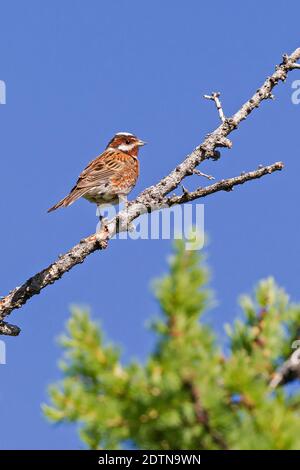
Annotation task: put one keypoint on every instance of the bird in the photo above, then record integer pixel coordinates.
(109, 177)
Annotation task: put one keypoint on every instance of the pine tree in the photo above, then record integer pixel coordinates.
(189, 394)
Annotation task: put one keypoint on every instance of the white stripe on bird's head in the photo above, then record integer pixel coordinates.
(127, 134)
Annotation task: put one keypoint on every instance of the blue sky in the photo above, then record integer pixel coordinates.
(77, 72)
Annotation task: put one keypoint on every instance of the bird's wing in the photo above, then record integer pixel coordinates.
(111, 163)
(99, 171)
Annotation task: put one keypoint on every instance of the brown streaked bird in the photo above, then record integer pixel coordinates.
(110, 176)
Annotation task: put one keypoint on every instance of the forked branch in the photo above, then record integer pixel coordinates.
(156, 197)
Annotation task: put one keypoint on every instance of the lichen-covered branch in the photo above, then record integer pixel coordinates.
(19, 296)
(289, 371)
(223, 185)
(154, 197)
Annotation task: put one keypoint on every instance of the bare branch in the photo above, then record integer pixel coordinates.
(152, 198)
(289, 371)
(199, 173)
(223, 185)
(215, 97)
(218, 138)
(19, 296)
(9, 330)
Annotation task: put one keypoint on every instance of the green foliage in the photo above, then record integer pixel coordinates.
(188, 394)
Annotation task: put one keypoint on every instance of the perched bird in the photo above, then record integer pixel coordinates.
(110, 176)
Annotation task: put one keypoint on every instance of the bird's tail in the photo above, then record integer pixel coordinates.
(68, 200)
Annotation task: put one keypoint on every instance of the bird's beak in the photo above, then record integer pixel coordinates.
(141, 143)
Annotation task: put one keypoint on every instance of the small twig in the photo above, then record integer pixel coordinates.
(184, 190)
(199, 173)
(215, 97)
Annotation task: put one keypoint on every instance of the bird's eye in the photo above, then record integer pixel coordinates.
(127, 142)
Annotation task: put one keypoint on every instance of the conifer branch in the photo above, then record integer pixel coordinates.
(202, 415)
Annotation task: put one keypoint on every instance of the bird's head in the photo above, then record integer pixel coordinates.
(126, 142)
